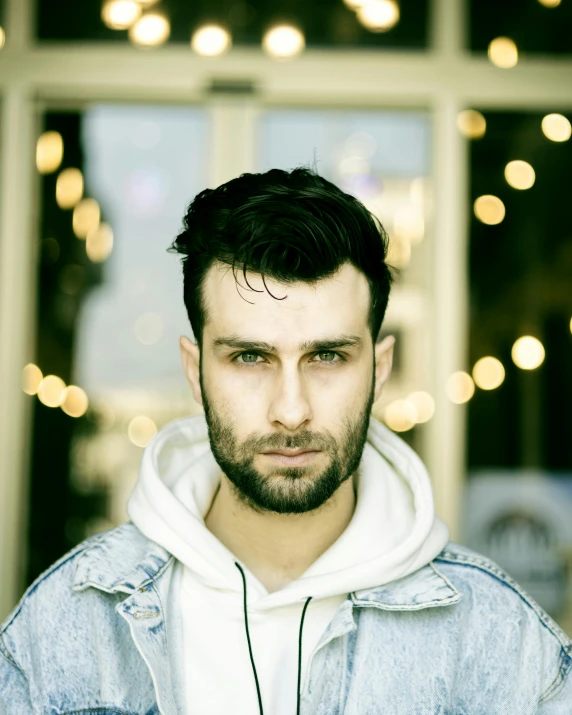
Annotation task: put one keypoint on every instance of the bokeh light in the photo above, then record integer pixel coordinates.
(51, 390)
(31, 379)
(74, 401)
(409, 224)
(148, 328)
(141, 430)
(120, 14)
(69, 188)
(49, 152)
(556, 127)
(519, 174)
(283, 41)
(550, 3)
(460, 387)
(471, 124)
(528, 353)
(86, 215)
(489, 209)
(354, 4)
(99, 243)
(360, 144)
(400, 415)
(2, 37)
(211, 40)
(151, 30)
(488, 373)
(378, 15)
(424, 405)
(503, 52)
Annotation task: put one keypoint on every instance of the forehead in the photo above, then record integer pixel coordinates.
(334, 304)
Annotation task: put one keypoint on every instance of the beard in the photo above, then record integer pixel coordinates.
(286, 490)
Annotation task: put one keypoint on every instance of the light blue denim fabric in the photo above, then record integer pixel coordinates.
(98, 633)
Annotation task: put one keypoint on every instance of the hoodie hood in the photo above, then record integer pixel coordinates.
(392, 533)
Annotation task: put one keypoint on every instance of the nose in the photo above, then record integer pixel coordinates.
(290, 405)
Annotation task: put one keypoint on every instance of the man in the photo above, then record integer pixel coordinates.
(282, 554)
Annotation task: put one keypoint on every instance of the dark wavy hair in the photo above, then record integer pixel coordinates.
(289, 226)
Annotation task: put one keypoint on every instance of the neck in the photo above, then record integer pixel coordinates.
(278, 548)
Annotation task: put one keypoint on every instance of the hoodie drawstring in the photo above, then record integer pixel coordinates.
(250, 646)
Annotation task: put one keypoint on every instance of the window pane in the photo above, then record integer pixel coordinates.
(110, 308)
(535, 27)
(519, 491)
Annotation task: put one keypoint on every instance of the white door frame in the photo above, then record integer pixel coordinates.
(444, 79)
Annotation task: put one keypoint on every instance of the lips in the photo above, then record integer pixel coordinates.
(289, 452)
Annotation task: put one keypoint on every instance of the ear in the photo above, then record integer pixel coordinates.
(383, 363)
(191, 359)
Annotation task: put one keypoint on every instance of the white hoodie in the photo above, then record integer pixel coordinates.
(393, 532)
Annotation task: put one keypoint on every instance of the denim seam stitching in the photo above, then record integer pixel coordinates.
(505, 579)
(80, 548)
(5, 652)
(92, 710)
(345, 647)
(157, 576)
(447, 581)
(558, 681)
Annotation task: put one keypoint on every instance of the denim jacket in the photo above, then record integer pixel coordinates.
(97, 633)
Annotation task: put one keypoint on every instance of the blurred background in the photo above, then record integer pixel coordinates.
(449, 119)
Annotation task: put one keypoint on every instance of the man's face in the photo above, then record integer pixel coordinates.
(297, 373)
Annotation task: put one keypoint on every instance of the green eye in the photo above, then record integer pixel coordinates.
(247, 362)
(328, 352)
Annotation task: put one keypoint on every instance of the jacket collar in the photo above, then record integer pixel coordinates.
(124, 560)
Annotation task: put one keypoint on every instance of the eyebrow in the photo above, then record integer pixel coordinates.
(340, 341)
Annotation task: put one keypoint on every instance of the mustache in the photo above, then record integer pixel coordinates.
(303, 440)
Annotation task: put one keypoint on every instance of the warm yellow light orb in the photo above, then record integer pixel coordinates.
(460, 387)
(550, 3)
(120, 14)
(488, 373)
(2, 37)
(51, 390)
(151, 30)
(556, 127)
(424, 405)
(86, 215)
(409, 224)
(211, 40)
(141, 430)
(49, 152)
(489, 209)
(74, 401)
(378, 15)
(283, 41)
(400, 415)
(519, 174)
(471, 124)
(99, 243)
(528, 353)
(31, 379)
(69, 188)
(503, 52)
